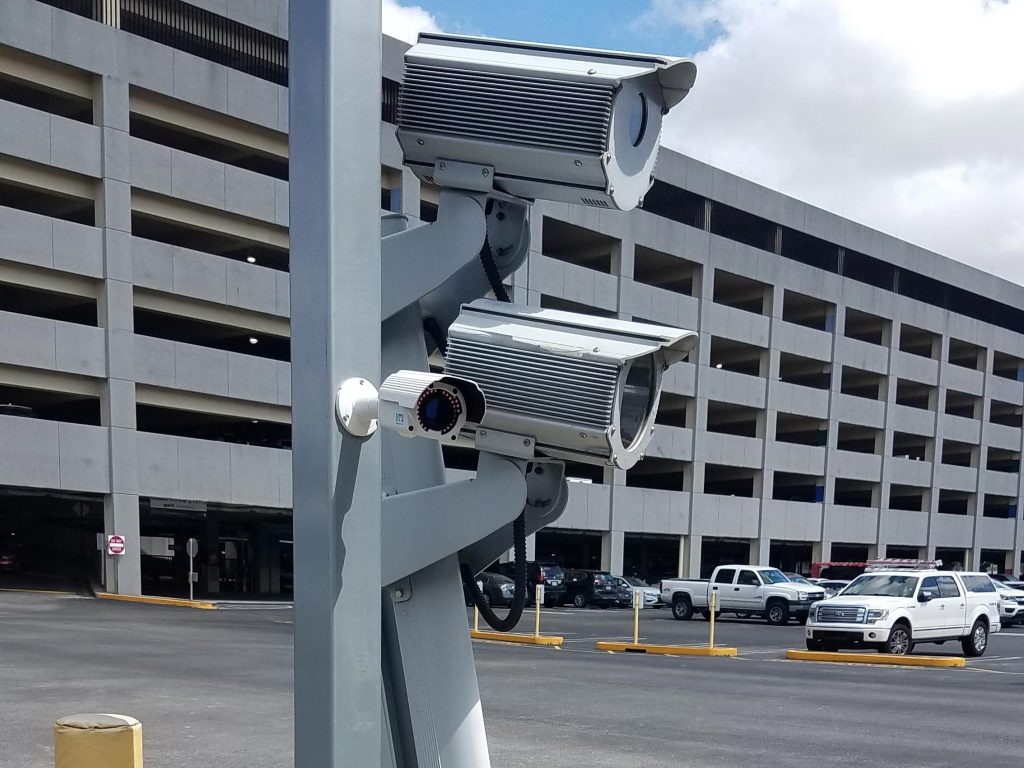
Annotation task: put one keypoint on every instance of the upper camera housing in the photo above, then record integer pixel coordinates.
(537, 121)
(574, 386)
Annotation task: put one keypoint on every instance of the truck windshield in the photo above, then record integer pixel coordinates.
(772, 576)
(882, 586)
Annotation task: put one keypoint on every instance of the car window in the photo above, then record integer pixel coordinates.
(773, 576)
(725, 576)
(883, 585)
(948, 587)
(978, 583)
(748, 578)
(930, 584)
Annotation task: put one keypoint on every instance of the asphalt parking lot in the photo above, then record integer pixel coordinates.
(214, 688)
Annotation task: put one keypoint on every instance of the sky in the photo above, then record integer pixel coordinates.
(904, 115)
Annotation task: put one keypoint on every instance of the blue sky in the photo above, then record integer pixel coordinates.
(591, 23)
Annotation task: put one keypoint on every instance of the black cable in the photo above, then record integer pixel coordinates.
(491, 270)
(515, 611)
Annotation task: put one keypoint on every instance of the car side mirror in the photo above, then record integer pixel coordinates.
(925, 595)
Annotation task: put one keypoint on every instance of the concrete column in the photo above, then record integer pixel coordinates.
(210, 550)
(116, 317)
(877, 552)
(821, 552)
(681, 569)
(693, 556)
(121, 516)
(531, 547)
(612, 549)
(759, 551)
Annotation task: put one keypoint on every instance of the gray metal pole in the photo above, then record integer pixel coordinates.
(334, 140)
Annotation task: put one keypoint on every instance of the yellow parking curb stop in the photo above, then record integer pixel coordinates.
(879, 658)
(664, 650)
(508, 637)
(204, 605)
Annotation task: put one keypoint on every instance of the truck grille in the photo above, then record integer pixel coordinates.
(841, 614)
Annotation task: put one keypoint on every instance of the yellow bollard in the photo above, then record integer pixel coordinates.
(711, 641)
(538, 598)
(97, 741)
(476, 619)
(636, 617)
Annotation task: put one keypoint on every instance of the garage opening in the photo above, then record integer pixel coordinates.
(716, 552)
(953, 559)
(570, 549)
(49, 539)
(791, 556)
(651, 558)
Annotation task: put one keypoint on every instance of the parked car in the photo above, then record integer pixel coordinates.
(744, 590)
(833, 587)
(798, 579)
(893, 610)
(548, 574)
(584, 587)
(626, 585)
(1013, 603)
(1007, 580)
(498, 589)
(9, 561)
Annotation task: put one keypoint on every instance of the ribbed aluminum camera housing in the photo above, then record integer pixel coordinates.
(545, 122)
(581, 388)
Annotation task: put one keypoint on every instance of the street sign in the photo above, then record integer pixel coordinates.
(115, 544)
(192, 548)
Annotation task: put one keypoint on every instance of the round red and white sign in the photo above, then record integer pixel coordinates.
(115, 544)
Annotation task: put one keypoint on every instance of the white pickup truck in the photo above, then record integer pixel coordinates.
(746, 590)
(892, 611)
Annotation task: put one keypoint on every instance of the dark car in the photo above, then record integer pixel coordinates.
(548, 574)
(8, 561)
(584, 587)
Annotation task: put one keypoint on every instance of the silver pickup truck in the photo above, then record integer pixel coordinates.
(746, 590)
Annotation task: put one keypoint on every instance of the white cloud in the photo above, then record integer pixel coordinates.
(406, 21)
(905, 115)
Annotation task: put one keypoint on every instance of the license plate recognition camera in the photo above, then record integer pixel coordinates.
(548, 122)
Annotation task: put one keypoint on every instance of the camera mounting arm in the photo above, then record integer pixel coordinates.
(436, 264)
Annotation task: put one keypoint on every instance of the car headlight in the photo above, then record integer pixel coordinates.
(813, 615)
(506, 590)
(876, 614)
(802, 595)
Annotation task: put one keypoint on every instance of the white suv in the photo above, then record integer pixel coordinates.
(892, 611)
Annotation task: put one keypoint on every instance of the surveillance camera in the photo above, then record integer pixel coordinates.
(420, 404)
(562, 384)
(537, 121)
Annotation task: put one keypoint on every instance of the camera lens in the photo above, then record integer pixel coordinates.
(637, 399)
(438, 410)
(638, 120)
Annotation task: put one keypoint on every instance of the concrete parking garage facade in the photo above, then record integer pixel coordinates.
(852, 395)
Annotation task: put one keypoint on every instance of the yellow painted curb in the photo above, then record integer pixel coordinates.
(877, 658)
(508, 637)
(664, 650)
(173, 601)
(38, 591)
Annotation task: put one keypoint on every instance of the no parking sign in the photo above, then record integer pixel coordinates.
(115, 545)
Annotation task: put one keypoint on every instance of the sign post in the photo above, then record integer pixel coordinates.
(334, 100)
(191, 549)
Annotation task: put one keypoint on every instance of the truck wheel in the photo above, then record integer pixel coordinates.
(579, 600)
(976, 642)
(682, 609)
(900, 642)
(777, 613)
